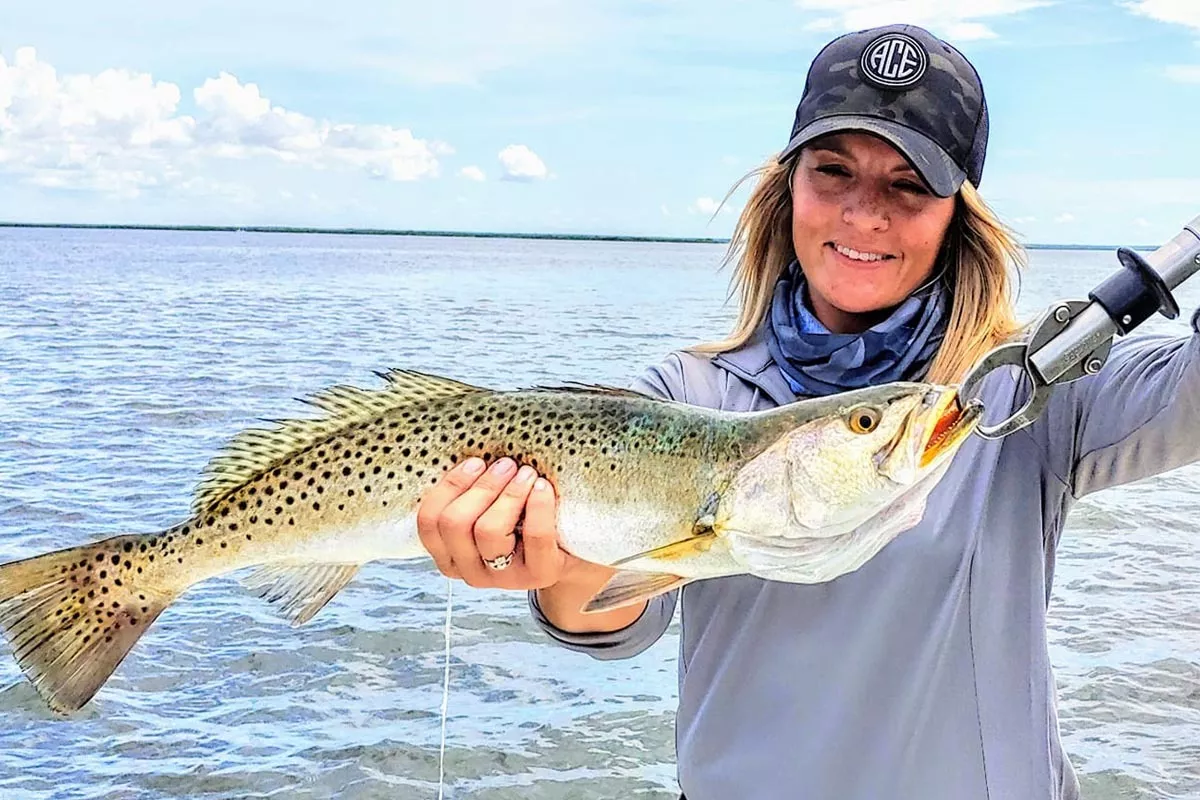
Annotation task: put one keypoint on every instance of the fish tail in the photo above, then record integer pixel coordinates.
(72, 615)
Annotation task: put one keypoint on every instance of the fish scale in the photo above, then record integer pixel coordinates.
(661, 488)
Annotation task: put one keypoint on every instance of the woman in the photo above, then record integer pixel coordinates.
(865, 255)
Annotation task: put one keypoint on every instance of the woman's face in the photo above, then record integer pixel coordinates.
(866, 228)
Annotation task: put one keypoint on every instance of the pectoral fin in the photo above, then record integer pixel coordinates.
(696, 543)
(300, 590)
(628, 587)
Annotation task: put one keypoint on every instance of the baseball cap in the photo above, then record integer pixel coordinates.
(905, 85)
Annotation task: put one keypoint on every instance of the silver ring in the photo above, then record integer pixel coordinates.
(500, 562)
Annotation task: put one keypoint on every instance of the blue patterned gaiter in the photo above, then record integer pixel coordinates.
(817, 362)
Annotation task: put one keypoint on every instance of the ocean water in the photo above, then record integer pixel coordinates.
(128, 358)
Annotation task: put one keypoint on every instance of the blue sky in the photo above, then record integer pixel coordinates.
(616, 117)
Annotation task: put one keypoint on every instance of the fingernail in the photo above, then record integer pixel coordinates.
(526, 474)
(473, 466)
(541, 485)
(503, 467)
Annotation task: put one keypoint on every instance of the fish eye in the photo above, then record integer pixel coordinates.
(863, 419)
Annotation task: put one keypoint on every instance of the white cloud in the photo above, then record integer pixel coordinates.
(521, 164)
(1184, 73)
(666, 212)
(957, 20)
(709, 206)
(472, 173)
(1180, 12)
(120, 132)
(1065, 217)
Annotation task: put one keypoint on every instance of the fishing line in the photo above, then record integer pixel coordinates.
(445, 691)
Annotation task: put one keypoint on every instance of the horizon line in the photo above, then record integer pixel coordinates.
(358, 231)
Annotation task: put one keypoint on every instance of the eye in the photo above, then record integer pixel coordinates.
(912, 188)
(833, 169)
(863, 419)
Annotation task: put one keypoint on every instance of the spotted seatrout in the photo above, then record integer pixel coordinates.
(665, 491)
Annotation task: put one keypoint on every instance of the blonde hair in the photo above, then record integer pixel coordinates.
(979, 260)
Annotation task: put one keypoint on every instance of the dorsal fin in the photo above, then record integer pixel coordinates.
(571, 387)
(258, 449)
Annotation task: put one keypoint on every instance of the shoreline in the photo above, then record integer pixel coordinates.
(583, 237)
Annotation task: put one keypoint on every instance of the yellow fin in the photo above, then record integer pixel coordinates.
(68, 627)
(696, 543)
(256, 450)
(300, 590)
(628, 587)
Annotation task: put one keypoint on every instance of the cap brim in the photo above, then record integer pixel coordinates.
(927, 158)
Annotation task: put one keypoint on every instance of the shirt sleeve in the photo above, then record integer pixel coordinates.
(1138, 417)
(665, 381)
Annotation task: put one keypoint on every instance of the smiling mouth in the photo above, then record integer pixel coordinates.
(861, 256)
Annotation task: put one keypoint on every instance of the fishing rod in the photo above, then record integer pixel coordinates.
(1073, 337)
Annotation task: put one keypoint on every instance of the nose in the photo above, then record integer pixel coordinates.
(866, 210)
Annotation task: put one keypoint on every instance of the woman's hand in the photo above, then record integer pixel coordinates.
(469, 517)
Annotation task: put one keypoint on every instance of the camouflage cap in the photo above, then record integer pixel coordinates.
(903, 84)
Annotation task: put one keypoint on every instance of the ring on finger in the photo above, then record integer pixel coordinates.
(500, 562)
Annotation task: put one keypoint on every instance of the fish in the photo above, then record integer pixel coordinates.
(665, 492)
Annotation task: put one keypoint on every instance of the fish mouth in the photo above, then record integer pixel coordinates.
(952, 423)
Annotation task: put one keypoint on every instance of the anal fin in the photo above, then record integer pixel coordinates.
(300, 590)
(628, 587)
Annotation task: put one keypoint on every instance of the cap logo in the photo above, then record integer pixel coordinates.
(893, 61)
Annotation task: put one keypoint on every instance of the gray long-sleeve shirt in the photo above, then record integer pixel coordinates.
(924, 674)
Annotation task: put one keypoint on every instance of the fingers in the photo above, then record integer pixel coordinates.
(493, 530)
(539, 536)
(433, 505)
(457, 522)
(470, 515)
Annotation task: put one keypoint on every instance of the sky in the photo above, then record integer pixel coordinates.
(621, 117)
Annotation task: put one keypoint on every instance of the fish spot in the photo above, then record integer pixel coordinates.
(267, 521)
(326, 474)
(103, 574)
(297, 476)
(366, 488)
(346, 470)
(232, 527)
(377, 470)
(224, 545)
(320, 490)
(362, 475)
(316, 506)
(341, 507)
(128, 546)
(270, 490)
(241, 507)
(350, 493)
(249, 537)
(253, 519)
(278, 510)
(289, 500)
(283, 485)
(116, 559)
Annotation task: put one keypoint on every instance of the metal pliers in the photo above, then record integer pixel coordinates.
(1073, 338)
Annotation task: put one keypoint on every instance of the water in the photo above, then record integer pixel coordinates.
(128, 358)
